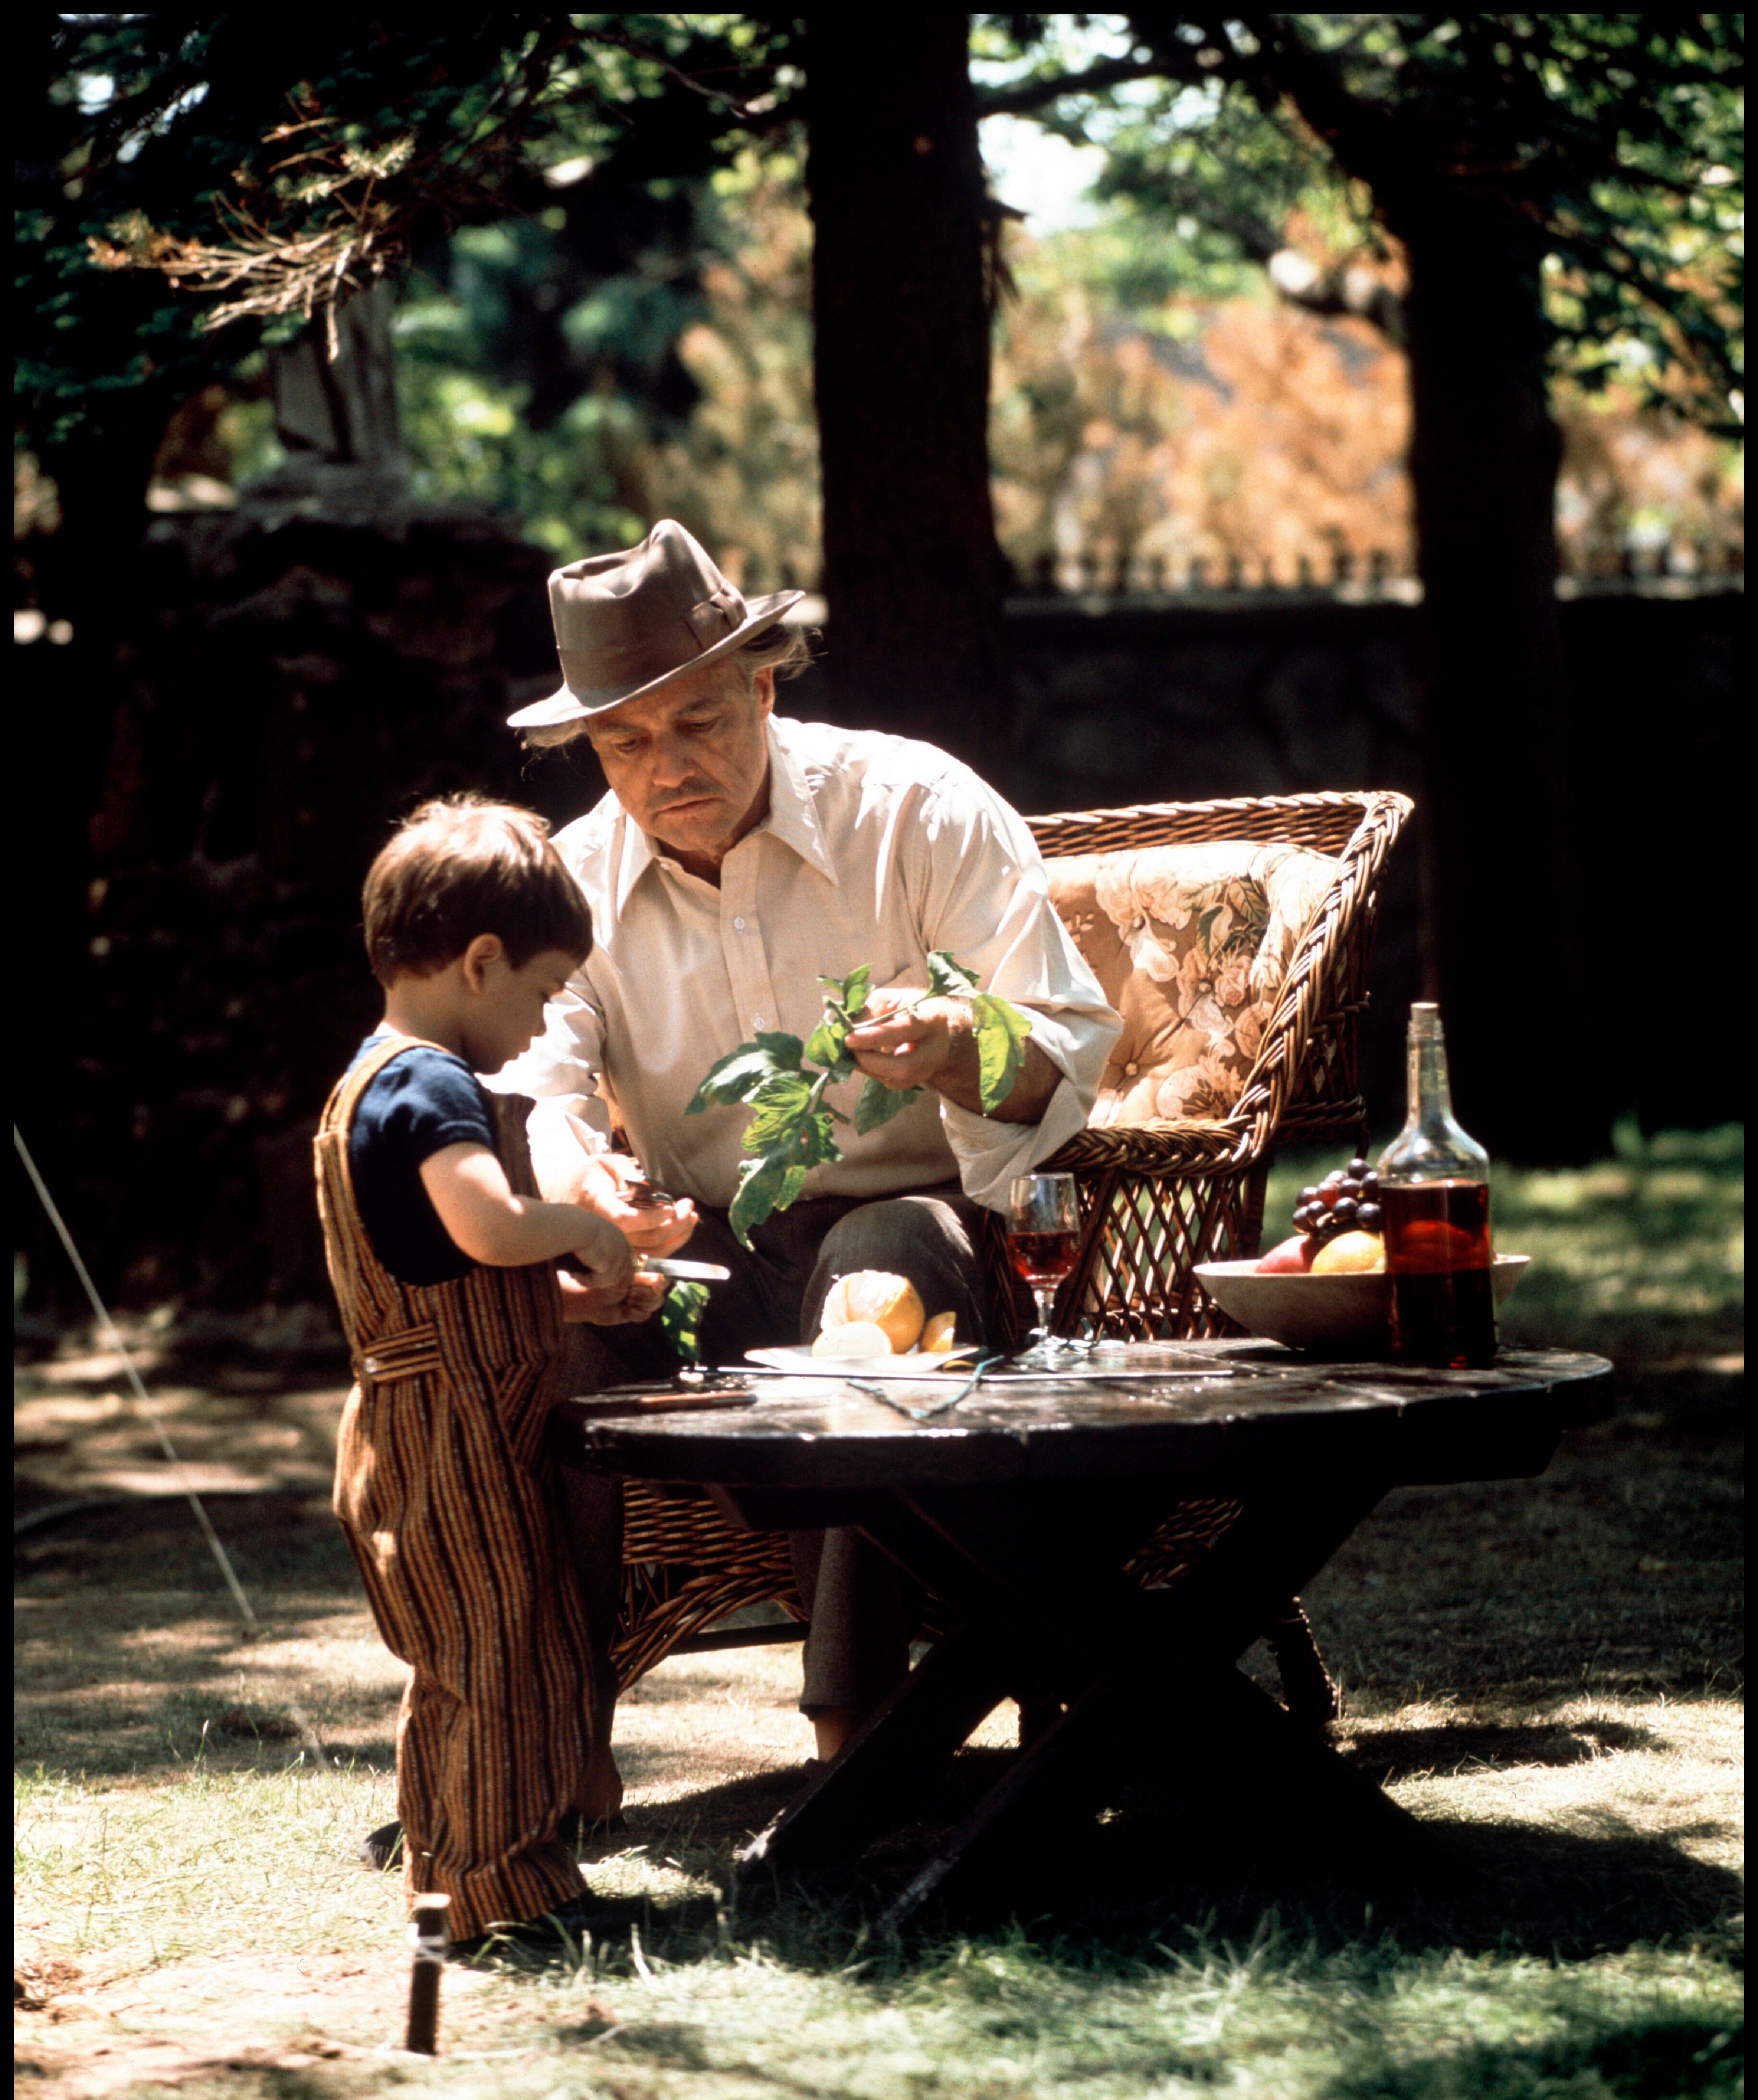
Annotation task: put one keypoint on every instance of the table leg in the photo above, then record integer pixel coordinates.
(1159, 1668)
(1137, 1669)
(869, 1788)
(1109, 1732)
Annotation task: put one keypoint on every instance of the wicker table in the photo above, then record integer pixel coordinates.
(1018, 1508)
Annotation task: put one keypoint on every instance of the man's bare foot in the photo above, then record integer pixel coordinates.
(832, 1727)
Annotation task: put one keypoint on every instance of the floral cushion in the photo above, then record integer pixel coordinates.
(1191, 944)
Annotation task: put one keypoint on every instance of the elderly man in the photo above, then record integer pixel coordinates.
(737, 859)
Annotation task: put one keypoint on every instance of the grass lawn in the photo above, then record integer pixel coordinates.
(1549, 1670)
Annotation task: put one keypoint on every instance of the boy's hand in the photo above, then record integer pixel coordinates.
(613, 1185)
(638, 1299)
(603, 1256)
(652, 1222)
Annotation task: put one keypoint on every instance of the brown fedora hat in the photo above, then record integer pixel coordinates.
(627, 624)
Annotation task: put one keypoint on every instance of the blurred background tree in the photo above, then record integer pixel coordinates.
(1504, 197)
(601, 165)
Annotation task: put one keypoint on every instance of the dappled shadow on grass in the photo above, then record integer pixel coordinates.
(277, 1541)
(1195, 1947)
(131, 1660)
(1657, 2058)
(1439, 1752)
(1499, 1888)
(713, 1823)
(1164, 1866)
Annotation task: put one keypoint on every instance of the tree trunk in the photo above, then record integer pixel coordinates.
(912, 574)
(1502, 868)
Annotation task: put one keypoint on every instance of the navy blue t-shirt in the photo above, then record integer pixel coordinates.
(421, 1101)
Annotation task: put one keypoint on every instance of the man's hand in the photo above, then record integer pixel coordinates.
(640, 1299)
(934, 1045)
(924, 1048)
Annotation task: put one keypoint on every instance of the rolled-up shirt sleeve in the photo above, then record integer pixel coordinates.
(982, 892)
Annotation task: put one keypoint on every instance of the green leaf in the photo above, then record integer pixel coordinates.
(1205, 924)
(947, 977)
(1002, 1032)
(856, 987)
(779, 1105)
(878, 1103)
(823, 1046)
(814, 1143)
(843, 998)
(849, 993)
(681, 1319)
(742, 1073)
(765, 1185)
(798, 1139)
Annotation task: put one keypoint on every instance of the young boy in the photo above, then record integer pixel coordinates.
(443, 1260)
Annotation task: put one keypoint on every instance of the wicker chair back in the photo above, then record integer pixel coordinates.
(1158, 1198)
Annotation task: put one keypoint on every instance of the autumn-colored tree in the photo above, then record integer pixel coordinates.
(1556, 186)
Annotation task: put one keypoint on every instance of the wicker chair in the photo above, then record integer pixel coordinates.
(1155, 1199)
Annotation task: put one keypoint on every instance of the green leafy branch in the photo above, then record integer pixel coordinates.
(681, 1319)
(791, 1130)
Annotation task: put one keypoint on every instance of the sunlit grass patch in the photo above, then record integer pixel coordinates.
(1542, 1670)
(210, 1863)
(214, 1908)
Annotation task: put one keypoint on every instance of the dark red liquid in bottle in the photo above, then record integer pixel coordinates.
(1438, 1251)
(1042, 1257)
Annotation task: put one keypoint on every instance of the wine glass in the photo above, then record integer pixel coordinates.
(1043, 1235)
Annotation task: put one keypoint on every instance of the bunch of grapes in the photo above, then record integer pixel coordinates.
(1346, 1201)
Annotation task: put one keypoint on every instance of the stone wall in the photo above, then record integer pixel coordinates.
(1183, 701)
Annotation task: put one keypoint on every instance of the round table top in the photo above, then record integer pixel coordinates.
(1215, 1407)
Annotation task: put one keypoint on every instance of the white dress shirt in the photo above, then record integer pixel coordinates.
(876, 849)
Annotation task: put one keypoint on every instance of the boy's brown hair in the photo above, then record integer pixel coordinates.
(461, 866)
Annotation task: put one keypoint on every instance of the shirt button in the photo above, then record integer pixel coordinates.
(757, 1021)
(738, 925)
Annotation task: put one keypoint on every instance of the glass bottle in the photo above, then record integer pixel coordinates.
(1435, 1192)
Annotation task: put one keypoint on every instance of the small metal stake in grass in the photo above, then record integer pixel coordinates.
(427, 1942)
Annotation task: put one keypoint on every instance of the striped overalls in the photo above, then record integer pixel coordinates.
(442, 1490)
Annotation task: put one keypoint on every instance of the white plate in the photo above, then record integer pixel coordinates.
(915, 1363)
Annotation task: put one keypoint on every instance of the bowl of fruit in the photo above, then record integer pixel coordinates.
(1326, 1289)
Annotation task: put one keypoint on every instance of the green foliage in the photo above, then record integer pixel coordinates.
(680, 1317)
(1002, 1032)
(1610, 146)
(790, 1131)
(877, 1103)
(147, 138)
(947, 977)
(738, 1075)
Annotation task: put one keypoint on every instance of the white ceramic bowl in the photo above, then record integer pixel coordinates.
(1339, 1315)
